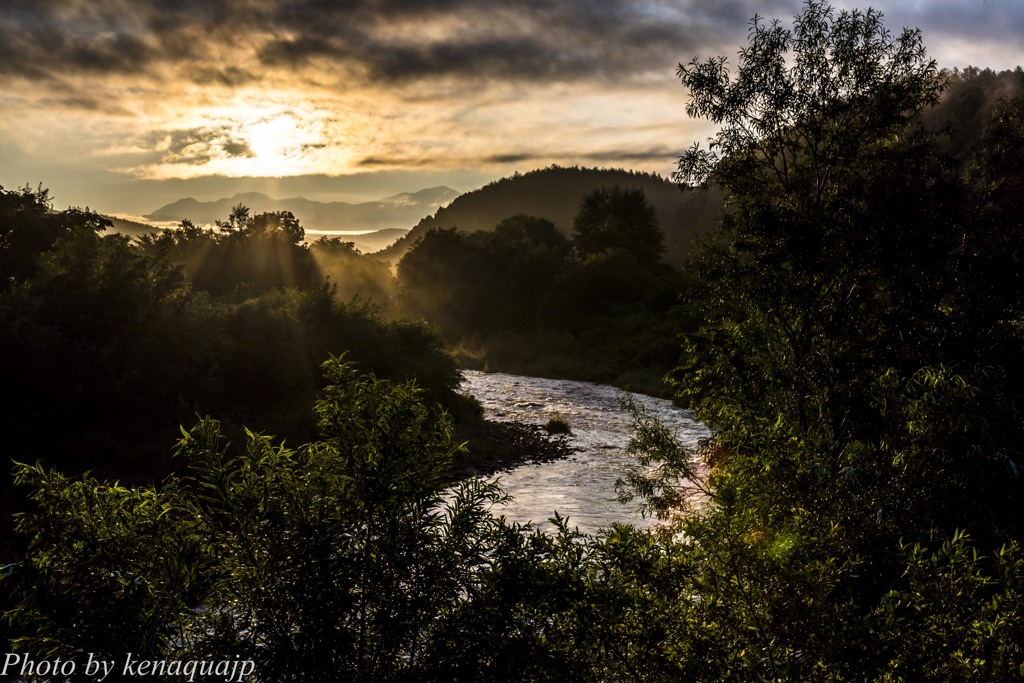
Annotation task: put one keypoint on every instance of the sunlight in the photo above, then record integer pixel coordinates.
(257, 135)
(274, 143)
(279, 142)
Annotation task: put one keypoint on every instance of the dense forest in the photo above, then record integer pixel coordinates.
(600, 305)
(851, 332)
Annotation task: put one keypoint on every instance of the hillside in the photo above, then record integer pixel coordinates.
(968, 102)
(555, 193)
(398, 211)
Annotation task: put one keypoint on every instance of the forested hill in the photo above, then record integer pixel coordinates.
(972, 94)
(555, 193)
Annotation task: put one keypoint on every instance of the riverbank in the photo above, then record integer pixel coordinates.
(633, 354)
(494, 447)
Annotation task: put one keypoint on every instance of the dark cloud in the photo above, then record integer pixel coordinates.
(530, 40)
(392, 162)
(606, 156)
(230, 76)
(237, 148)
(86, 103)
(49, 51)
(533, 40)
(510, 158)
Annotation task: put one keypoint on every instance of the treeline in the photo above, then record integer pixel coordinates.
(600, 304)
(856, 514)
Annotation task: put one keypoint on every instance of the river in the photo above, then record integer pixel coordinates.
(581, 486)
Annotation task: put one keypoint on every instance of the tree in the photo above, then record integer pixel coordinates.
(238, 220)
(355, 276)
(843, 225)
(246, 253)
(857, 401)
(29, 227)
(277, 223)
(840, 266)
(805, 104)
(482, 283)
(620, 218)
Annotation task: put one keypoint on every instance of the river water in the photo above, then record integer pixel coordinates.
(581, 486)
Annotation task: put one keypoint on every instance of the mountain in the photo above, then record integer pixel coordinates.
(555, 193)
(398, 211)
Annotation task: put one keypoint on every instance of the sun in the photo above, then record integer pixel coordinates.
(272, 141)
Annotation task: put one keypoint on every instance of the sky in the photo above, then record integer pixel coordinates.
(126, 105)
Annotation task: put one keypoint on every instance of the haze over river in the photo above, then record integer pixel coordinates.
(582, 486)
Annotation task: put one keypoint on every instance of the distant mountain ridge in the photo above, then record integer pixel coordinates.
(398, 211)
(555, 193)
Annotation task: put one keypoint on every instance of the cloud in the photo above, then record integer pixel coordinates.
(530, 41)
(273, 88)
(86, 103)
(198, 146)
(233, 43)
(389, 41)
(229, 76)
(985, 33)
(648, 156)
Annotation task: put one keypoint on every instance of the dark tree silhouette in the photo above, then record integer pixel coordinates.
(619, 218)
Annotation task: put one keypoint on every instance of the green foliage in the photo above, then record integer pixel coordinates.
(343, 557)
(28, 228)
(108, 569)
(340, 556)
(806, 103)
(968, 103)
(604, 286)
(482, 283)
(668, 476)
(841, 261)
(558, 425)
(956, 615)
